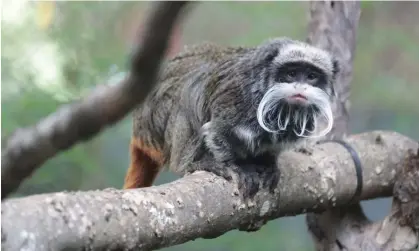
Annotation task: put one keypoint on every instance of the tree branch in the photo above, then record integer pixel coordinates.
(201, 204)
(29, 148)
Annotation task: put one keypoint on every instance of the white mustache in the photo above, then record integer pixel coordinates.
(315, 96)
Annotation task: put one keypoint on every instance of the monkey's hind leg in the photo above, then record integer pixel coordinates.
(145, 164)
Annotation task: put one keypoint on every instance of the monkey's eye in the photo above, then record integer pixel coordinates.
(292, 74)
(312, 76)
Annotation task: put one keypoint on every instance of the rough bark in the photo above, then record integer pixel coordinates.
(28, 148)
(201, 204)
(347, 227)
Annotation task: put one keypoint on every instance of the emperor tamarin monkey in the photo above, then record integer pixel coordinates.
(241, 106)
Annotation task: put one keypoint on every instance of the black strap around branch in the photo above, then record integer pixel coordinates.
(357, 163)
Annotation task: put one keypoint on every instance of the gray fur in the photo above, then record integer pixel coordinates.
(307, 53)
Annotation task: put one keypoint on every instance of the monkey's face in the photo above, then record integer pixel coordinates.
(297, 97)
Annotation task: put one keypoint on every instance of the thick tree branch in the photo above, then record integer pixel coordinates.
(201, 204)
(29, 148)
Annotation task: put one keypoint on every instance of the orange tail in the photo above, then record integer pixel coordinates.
(144, 167)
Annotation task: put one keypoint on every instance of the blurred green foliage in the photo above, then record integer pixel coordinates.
(86, 44)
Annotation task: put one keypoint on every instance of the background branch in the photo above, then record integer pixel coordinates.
(29, 148)
(333, 26)
(201, 204)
